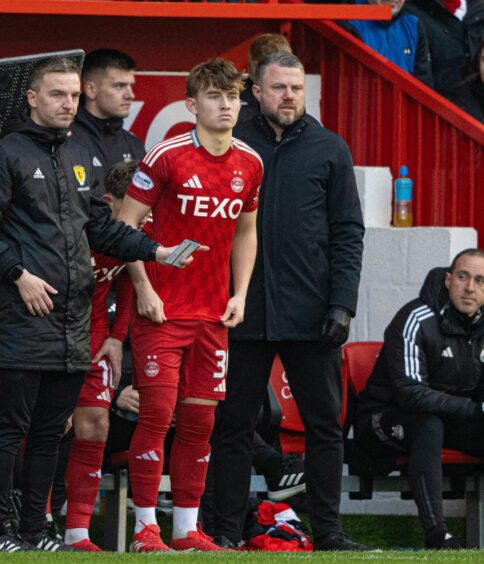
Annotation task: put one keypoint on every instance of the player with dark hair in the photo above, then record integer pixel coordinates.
(107, 85)
(204, 182)
(91, 417)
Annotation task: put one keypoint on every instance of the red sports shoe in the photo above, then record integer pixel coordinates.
(87, 546)
(197, 540)
(148, 540)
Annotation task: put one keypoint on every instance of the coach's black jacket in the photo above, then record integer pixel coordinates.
(309, 229)
(107, 142)
(49, 218)
(432, 360)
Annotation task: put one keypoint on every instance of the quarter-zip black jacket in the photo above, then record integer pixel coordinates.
(309, 229)
(49, 217)
(107, 142)
(432, 360)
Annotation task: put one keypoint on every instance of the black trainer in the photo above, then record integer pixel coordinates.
(48, 539)
(337, 541)
(289, 481)
(10, 540)
(443, 540)
(224, 542)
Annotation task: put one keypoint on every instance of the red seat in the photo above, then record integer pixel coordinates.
(358, 361)
(291, 428)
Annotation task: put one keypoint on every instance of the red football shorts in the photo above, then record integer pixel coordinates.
(98, 389)
(190, 355)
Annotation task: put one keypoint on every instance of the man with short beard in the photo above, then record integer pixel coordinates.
(301, 298)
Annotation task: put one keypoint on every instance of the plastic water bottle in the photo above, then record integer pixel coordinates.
(402, 213)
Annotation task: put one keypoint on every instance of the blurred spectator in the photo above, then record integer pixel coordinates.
(262, 46)
(402, 40)
(469, 94)
(446, 39)
(474, 22)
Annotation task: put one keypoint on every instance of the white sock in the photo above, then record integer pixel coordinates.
(184, 520)
(76, 535)
(144, 516)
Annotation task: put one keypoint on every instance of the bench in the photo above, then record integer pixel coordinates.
(358, 360)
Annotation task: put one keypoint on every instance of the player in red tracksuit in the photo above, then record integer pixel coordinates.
(91, 417)
(203, 184)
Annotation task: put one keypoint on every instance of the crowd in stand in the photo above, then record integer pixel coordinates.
(440, 42)
(85, 208)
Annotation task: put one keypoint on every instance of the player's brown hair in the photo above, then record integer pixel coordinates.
(118, 178)
(264, 45)
(62, 65)
(217, 73)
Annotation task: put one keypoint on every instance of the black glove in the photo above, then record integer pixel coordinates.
(336, 327)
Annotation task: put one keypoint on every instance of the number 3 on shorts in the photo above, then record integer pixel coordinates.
(221, 364)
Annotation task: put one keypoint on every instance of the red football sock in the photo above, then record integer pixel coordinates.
(146, 450)
(190, 453)
(83, 475)
(48, 510)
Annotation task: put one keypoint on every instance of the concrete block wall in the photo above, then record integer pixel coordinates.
(395, 263)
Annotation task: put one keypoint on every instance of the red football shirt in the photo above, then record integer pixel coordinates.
(196, 195)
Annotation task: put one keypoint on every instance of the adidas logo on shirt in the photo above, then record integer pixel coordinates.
(448, 353)
(96, 162)
(193, 182)
(38, 174)
(221, 387)
(96, 474)
(148, 456)
(104, 396)
(204, 459)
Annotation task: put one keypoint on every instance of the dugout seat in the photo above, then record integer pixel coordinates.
(291, 428)
(358, 361)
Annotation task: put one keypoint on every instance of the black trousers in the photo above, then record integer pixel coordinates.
(314, 375)
(422, 436)
(36, 406)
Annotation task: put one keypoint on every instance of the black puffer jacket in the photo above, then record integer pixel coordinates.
(309, 230)
(49, 218)
(107, 142)
(432, 360)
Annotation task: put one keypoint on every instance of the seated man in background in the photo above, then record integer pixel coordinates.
(402, 40)
(426, 390)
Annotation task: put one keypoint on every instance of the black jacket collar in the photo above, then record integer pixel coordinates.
(45, 136)
(268, 131)
(95, 124)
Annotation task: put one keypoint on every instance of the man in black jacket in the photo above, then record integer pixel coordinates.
(300, 301)
(426, 390)
(447, 41)
(49, 217)
(107, 86)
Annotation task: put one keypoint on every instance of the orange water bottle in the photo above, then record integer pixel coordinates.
(402, 212)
